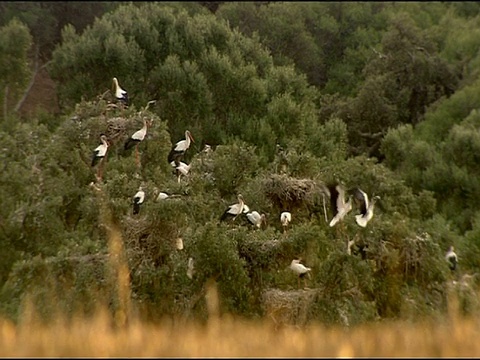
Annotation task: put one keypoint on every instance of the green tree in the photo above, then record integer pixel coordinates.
(15, 42)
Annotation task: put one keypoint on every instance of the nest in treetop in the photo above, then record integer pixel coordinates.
(288, 193)
(117, 128)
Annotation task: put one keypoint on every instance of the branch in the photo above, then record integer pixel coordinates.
(5, 103)
(30, 85)
(370, 135)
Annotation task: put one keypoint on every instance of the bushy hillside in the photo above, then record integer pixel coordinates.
(263, 129)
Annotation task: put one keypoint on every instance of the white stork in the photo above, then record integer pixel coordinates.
(366, 207)
(339, 206)
(137, 137)
(300, 269)
(182, 169)
(256, 219)
(285, 219)
(99, 154)
(234, 210)
(178, 150)
(138, 200)
(100, 151)
(452, 258)
(120, 94)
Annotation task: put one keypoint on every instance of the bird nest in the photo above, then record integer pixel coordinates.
(288, 307)
(117, 128)
(287, 192)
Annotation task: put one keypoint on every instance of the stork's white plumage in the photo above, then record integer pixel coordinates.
(256, 219)
(137, 136)
(340, 207)
(285, 219)
(365, 206)
(138, 200)
(100, 151)
(234, 210)
(300, 269)
(178, 150)
(182, 169)
(164, 196)
(452, 258)
(120, 94)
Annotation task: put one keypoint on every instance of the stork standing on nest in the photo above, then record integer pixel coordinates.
(137, 137)
(285, 219)
(99, 154)
(300, 269)
(366, 207)
(234, 210)
(138, 200)
(178, 150)
(121, 95)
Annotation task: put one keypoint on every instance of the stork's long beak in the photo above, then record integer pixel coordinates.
(191, 137)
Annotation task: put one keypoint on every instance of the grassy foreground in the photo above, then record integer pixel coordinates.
(229, 337)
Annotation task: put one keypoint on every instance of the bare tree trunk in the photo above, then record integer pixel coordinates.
(32, 81)
(29, 87)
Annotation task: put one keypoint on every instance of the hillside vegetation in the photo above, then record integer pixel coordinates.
(284, 100)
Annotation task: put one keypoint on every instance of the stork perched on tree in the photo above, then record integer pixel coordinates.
(364, 205)
(234, 210)
(138, 200)
(285, 219)
(300, 269)
(256, 219)
(120, 94)
(137, 137)
(451, 258)
(182, 169)
(340, 207)
(178, 150)
(99, 154)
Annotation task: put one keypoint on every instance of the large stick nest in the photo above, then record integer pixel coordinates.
(288, 193)
(289, 307)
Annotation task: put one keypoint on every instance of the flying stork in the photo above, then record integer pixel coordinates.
(178, 150)
(120, 94)
(137, 137)
(234, 210)
(99, 154)
(300, 269)
(138, 200)
(452, 258)
(366, 207)
(340, 208)
(285, 219)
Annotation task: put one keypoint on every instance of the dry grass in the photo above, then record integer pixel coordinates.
(226, 336)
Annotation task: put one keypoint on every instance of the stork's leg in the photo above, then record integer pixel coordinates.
(324, 209)
(137, 159)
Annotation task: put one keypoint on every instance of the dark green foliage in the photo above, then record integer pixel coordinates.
(367, 95)
(214, 251)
